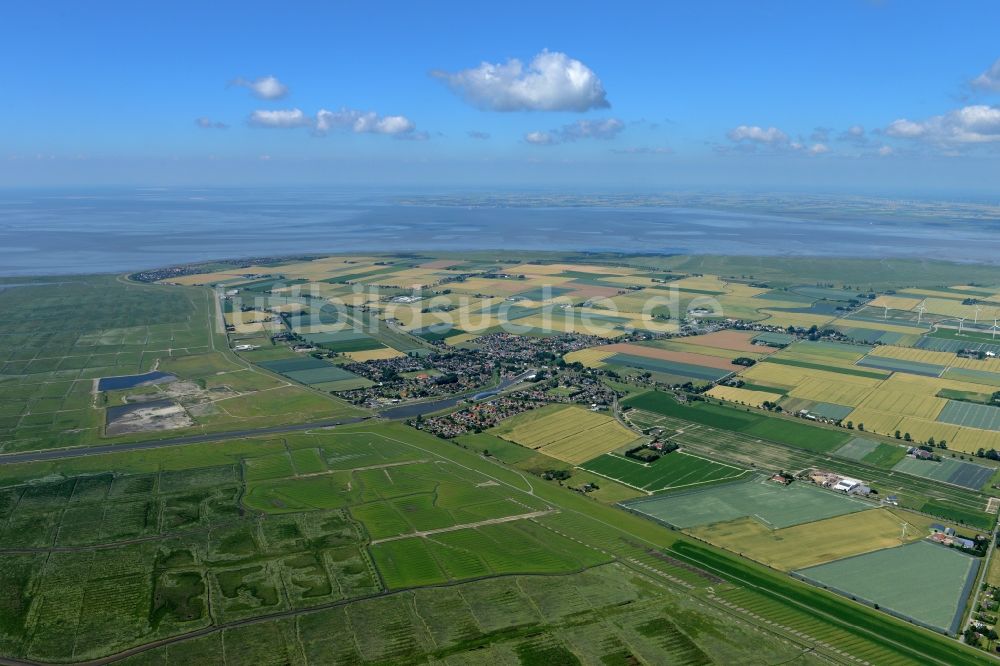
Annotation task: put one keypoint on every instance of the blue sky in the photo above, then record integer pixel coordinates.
(861, 96)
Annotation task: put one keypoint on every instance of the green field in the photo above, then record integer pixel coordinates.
(783, 430)
(672, 471)
(772, 504)
(871, 452)
(924, 581)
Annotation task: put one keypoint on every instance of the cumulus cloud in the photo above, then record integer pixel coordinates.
(885, 151)
(476, 134)
(325, 121)
(854, 134)
(552, 81)
(968, 126)
(772, 136)
(279, 118)
(540, 138)
(263, 87)
(990, 79)
(208, 123)
(362, 122)
(820, 134)
(607, 128)
(750, 137)
(644, 150)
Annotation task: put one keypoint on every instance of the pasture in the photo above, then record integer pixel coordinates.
(924, 581)
(513, 547)
(871, 452)
(773, 505)
(793, 432)
(567, 433)
(670, 472)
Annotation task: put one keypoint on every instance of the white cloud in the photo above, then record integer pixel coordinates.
(279, 118)
(551, 82)
(772, 136)
(208, 123)
(644, 150)
(606, 128)
(352, 120)
(854, 134)
(990, 79)
(540, 138)
(264, 87)
(750, 137)
(476, 134)
(968, 126)
(362, 122)
(885, 151)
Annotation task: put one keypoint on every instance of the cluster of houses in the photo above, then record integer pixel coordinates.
(475, 418)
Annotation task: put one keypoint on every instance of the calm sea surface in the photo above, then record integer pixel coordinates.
(61, 232)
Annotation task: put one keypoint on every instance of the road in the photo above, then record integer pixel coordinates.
(75, 452)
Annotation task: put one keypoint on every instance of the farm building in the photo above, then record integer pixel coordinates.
(848, 486)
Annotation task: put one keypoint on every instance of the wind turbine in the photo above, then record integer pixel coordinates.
(920, 310)
(994, 329)
(886, 315)
(979, 308)
(960, 322)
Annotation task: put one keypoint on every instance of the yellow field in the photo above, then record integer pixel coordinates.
(890, 397)
(591, 357)
(953, 308)
(988, 364)
(839, 392)
(701, 282)
(743, 396)
(459, 339)
(790, 376)
(568, 433)
(923, 429)
(970, 440)
(914, 354)
(373, 354)
(895, 302)
(813, 543)
(680, 345)
(252, 321)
